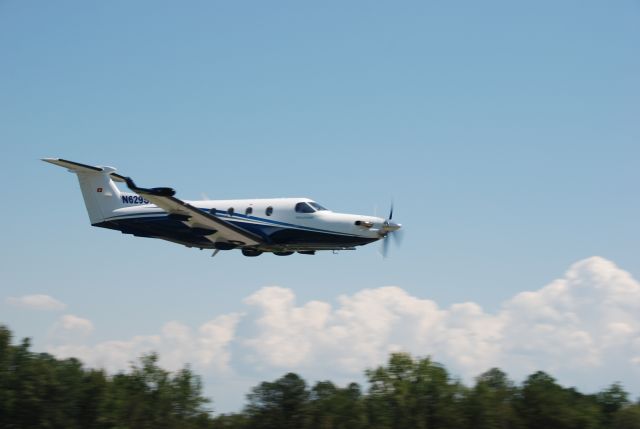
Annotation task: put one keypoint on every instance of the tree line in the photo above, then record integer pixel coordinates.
(40, 391)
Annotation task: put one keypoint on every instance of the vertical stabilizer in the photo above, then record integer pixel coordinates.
(100, 193)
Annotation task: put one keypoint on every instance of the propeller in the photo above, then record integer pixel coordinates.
(390, 231)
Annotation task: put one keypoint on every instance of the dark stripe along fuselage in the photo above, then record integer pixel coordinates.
(277, 235)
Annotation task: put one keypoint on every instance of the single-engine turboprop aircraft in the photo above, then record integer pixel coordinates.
(281, 226)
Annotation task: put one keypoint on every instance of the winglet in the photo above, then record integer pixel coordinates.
(160, 192)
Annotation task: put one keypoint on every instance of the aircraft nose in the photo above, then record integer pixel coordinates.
(390, 226)
(394, 226)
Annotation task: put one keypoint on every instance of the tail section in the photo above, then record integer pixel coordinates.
(101, 195)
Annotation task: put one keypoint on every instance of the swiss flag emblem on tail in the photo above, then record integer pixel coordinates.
(99, 190)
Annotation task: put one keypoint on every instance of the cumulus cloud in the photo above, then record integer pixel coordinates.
(72, 323)
(177, 345)
(36, 302)
(70, 329)
(585, 322)
(365, 327)
(582, 326)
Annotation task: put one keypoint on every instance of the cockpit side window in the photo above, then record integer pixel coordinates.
(304, 208)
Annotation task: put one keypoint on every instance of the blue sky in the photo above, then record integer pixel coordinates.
(506, 133)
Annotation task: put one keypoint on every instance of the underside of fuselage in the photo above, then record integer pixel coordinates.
(277, 238)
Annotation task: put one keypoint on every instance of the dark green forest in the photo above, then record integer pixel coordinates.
(40, 391)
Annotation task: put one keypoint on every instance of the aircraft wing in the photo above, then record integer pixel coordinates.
(210, 225)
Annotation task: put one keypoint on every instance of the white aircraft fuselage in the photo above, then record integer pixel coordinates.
(278, 225)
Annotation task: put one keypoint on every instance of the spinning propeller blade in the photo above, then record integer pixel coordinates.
(390, 229)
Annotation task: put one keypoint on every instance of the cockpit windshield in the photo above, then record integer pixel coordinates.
(308, 207)
(316, 206)
(304, 208)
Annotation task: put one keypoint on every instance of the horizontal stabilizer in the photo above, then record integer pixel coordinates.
(77, 167)
(73, 166)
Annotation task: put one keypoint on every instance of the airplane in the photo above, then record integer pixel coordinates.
(282, 226)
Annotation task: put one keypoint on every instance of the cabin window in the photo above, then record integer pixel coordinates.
(304, 208)
(248, 211)
(269, 211)
(230, 211)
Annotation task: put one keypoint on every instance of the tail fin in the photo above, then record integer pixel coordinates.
(101, 195)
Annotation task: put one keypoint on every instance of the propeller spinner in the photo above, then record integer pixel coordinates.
(390, 229)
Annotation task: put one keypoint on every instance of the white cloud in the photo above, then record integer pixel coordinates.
(584, 328)
(365, 328)
(72, 323)
(177, 345)
(583, 321)
(36, 302)
(111, 355)
(70, 329)
(586, 322)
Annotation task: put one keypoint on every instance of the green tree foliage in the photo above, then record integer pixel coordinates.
(413, 393)
(230, 421)
(332, 407)
(39, 391)
(611, 400)
(544, 403)
(280, 404)
(490, 403)
(627, 418)
(150, 397)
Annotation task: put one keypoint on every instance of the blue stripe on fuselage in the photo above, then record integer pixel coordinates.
(252, 227)
(161, 226)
